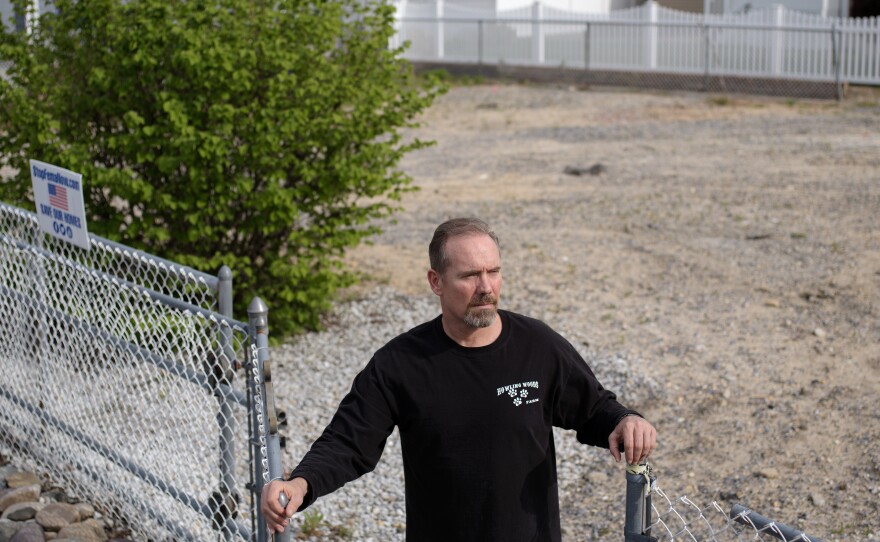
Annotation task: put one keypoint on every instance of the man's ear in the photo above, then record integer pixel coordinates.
(434, 281)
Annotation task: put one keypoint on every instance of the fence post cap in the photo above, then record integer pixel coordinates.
(257, 306)
(225, 273)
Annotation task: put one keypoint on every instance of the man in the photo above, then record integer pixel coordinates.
(475, 394)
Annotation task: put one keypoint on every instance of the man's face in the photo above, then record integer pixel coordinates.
(470, 286)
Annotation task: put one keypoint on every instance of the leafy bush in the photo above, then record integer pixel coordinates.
(263, 135)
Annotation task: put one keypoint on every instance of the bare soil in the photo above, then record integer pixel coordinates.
(730, 244)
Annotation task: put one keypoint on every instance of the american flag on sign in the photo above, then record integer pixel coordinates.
(58, 196)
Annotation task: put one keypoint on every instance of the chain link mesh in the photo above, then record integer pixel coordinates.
(682, 519)
(118, 394)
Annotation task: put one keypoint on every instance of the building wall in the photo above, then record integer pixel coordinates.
(7, 13)
(693, 6)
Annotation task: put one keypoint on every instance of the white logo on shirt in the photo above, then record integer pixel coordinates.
(519, 392)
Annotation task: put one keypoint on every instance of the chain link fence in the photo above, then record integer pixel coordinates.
(651, 515)
(122, 381)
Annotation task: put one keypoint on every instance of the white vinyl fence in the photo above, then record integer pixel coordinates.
(775, 43)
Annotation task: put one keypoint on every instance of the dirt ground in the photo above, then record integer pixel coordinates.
(728, 243)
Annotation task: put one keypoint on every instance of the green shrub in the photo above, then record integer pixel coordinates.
(263, 135)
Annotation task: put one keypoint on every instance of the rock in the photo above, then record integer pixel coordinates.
(817, 499)
(595, 169)
(54, 495)
(22, 511)
(819, 332)
(770, 473)
(597, 477)
(8, 528)
(30, 532)
(57, 515)
(87, 531)
(772, 303)
(21, 494)
(85, 510)
(729, 495)
(5, 471)
(21, 479)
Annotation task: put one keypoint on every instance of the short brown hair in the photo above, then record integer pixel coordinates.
(454, 228)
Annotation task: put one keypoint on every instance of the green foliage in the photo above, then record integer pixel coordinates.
(312, 522)
(263, 135)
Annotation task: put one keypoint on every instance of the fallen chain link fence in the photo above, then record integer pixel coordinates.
(127, 381)
(651, 515)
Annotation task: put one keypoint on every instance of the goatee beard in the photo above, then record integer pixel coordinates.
(479, 318)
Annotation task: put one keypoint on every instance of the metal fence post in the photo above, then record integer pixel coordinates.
(637, 526)
(258, 321)
(223, 371)
(269, 453)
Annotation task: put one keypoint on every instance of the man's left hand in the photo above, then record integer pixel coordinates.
(639, 438)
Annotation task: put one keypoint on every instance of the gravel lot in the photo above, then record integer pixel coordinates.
(721, 271)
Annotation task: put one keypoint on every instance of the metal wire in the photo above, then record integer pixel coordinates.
(119, 383)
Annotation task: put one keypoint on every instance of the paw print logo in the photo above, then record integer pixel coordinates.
(517, 401)
(524, 393)
(511, 393)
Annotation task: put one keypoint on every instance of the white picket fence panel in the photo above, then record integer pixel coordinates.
(773, 43)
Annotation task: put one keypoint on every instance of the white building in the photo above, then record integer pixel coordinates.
(10, 21)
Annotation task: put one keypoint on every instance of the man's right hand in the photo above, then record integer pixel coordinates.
(276, 516)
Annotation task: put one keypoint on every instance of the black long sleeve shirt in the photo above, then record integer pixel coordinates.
(475, 428)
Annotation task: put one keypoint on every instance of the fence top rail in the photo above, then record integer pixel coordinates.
(616, 22)
(152, 294)
(187, 273)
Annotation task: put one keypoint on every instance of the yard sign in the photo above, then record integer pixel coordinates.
(58, 194)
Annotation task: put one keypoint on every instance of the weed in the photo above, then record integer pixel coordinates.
(453, 79)
(312, 522)
(342, 531)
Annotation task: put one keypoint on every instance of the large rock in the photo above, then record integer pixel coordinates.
(87, 531)
(86, 510)
(31, 532)
(21, 479)
(9, 497)
(57, 515)
(8, 529)
(22, 511)
(5, 471)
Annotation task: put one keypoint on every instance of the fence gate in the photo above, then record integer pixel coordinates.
(126, 380)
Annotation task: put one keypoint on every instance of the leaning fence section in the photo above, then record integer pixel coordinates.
(126, 383)
(797, 52)
(652, 516)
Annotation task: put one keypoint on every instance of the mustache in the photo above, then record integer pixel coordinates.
(485, 299)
